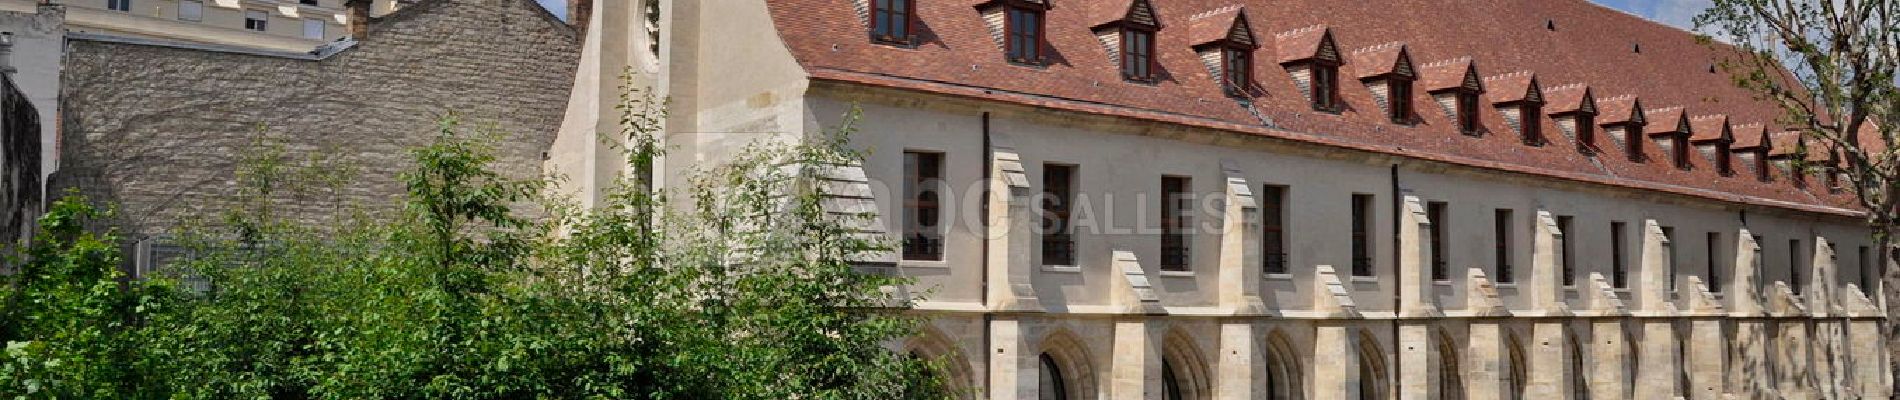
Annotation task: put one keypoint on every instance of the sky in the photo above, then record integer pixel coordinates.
(1673, 12)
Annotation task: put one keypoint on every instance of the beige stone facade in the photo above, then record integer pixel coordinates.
(294, 26)
(1554, 289)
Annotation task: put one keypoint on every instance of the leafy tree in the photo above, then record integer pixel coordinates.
(741, 286)
(1830, 66)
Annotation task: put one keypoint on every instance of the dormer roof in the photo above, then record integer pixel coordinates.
(1456, 73)
(1391, 58)
(1750, 137)
(1571, 98)
(1785, 144)
(1514, 87)
(1225, 25)
(1667, 121)
(1620, 110)
(1710, 128)
(1109, 13)
(1312, 43)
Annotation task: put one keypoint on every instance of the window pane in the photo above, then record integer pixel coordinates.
(1501, 235)
(923, 186)
(1273, 229)
(1058, 240)
(1176, 215)
(1361, 242)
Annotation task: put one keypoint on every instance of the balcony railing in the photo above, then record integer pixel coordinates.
(923, 247)
(1058, 249)
(1275, 263)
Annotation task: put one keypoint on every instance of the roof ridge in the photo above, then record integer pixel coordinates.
(1510, 75)
(1665, 109)
(1216, 11)
(1709, 116)
(1378, 47)
(1567, 86)
(1441, 63)
(1621, 97)
(1300, 31)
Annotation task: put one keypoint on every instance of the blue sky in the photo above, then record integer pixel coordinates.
(1673, 12)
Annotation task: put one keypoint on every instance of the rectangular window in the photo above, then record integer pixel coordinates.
(1399, 100)
(1325, 87)
(1722, 160)
(1058, 234)
(1024, 34)
(1796, 268)
(923, 193)
(1435, 211)
(119, 5)
(1715, 262)
(1669, 255)
(1176, 205)
(1587, 131)
(307, 2)
(1468, 112)
(1530, 123)
(1501, 234)
(1569, 250)
(191, 10)
(1633, 142)
(256, 20)
(1138, 49)
(1236, 70)
(1679, 149)
(890, 21)
(1761, 166)
(1361, 235)
(1866, 270)
(1619, 251)
(1273, 229)
(313, 29)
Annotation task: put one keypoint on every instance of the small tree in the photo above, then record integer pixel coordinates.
(1830, 66)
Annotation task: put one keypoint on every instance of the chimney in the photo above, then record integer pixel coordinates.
(579, 13)
(359, 18)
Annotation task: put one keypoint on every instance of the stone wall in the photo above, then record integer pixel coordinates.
(160, 129)
(19, 162)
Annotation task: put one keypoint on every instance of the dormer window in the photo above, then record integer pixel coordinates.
(891, 21)
(1325, 87)
(1531, 127)
(1387, 70)
(1574, 109)
(1138, 49)
(1225, 42)
(1680, 151)
(1521, 100)
(1018, 27)
(1236, 70)
(1713, 136)
(1468, 121)
(1633, 146)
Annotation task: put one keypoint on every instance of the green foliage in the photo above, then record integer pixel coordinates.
(741, 287)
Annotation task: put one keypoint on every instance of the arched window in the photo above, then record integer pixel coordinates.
(1579, 378)
(1372, 380)
(1451, 385)
(1283, 369)
(933, 346)
(1170, 387)
(1051, 385)
(1515, 378)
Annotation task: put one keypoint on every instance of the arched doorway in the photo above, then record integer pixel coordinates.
(1283, 369)
(1515, 377)
(1451, 382)
(1063, 369)
(1183, 370)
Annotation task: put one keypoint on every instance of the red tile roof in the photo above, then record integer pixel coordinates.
(1704, 128)
(1377, 60)
(1567, 98)
(1666, 120)
(1214, 25)
(1446, 74)
(1748, 136)
(1620, 109)
(1511, 87)
(1590, 45)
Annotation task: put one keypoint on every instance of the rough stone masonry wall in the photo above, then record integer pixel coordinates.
(160, 130)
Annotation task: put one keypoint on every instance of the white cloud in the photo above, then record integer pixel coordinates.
(1678, 13)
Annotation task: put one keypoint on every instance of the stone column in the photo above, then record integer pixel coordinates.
(1013, 361)
(1418, 361)
(1656, 375)
(1240, 247)
(1335, 363)
(1549, 370)
(1609, 373)
(1870, 358)
(1748, 376)
(1136, 366)
(1487, 357)
(1707, 348)
(1796, 382)
(1242, 366)
(1653, 289)
(1546, 283)
(1011, 234)
(1828, 352)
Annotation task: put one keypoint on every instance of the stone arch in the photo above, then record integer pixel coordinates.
(1373, 381)
(1063, 367)
(1516, 379)
(1183, 370)
(1579, 373)
(1451, 379)
(1635, 356)
(1284, 381)
(932, 344)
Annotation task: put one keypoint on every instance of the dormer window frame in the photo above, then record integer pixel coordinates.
(1140, 70)
(1724, 161)
(1585, 123)
(1031, 47)
(1679, 149)
(1633, 138)
(1399, 95)
(1325, 86)
(1530, 121)
(882, 12)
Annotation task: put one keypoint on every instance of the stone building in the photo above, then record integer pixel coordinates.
(20, 178)
(276, 25)
(1305, 199)
(160, 127)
